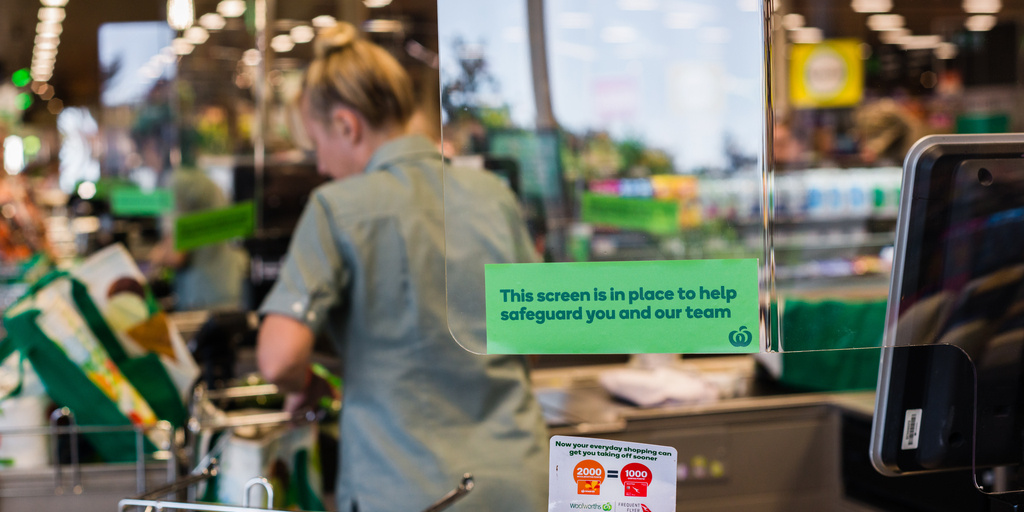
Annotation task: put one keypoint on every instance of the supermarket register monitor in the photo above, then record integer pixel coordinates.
(950, 377)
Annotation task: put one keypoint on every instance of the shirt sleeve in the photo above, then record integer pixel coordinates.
(313, 273)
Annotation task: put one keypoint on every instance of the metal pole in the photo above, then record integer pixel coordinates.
(539, 65)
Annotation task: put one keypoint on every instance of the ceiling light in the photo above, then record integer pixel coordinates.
(383, 26)
(893, 36)
(41, 53)
(282, 43)
(792, 21)
(982, 6)
(921, 42)
(376, 3)
(302, 34)
(885, 21)
(196, 35)
(181, 46)
(871, 5)
(46, 43)
(806, 35)
(946, 51)
(180, 14)
(54, 3)
(251, 57)
(212, 21)
(980, 22)
(49, 28)
(324, 21)
(55, 14)
(231, 8)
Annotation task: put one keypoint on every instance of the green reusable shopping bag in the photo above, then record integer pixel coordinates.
(832, 324)
(69, 386)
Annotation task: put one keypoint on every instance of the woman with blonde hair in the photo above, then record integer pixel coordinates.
(367, 265)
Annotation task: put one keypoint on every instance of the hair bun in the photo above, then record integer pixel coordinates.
(332, 39)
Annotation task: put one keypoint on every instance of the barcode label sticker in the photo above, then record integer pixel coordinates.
(911, 429)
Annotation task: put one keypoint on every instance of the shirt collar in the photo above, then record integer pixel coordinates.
(402, 148)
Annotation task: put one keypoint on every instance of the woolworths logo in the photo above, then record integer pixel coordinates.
(591, 506)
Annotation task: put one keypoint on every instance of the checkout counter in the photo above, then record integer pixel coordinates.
(765, 449)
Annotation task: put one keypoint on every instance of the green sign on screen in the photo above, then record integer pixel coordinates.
(630, 307)
(650, 215)
(132, 202)
(212, 226)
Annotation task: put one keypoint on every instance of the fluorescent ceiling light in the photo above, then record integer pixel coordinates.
(980, 22)
(885, 21)
(302, 34)
(231, 8)
(212, 21)
(373, 4)
(806, 35)
(921, 42)
(946, 51)
(893, 36)
(383, 26)
(180, 14)
(282, 43)
(251, 57)
(55, 14)
(196, 35)
(982, 6)
(181, 46)
(49, 28)
(46, 43)
(324, 21)
(41, 53)
(871, 5)
(793, 21)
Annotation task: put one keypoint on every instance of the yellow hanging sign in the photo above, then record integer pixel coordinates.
(827, 74)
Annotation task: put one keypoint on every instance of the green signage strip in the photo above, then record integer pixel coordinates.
(212, 226)
(651, 215)
(132, 202)
(629, 307)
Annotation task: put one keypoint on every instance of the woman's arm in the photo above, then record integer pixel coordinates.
(283, 350)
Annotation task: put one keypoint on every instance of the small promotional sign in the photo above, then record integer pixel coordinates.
(599, 474)
(212, 226)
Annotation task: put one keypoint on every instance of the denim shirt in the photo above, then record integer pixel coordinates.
(367, 264)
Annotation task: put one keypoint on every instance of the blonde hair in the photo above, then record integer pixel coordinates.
(350, 71)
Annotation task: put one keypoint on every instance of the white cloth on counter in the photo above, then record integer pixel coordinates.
(657, 386)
